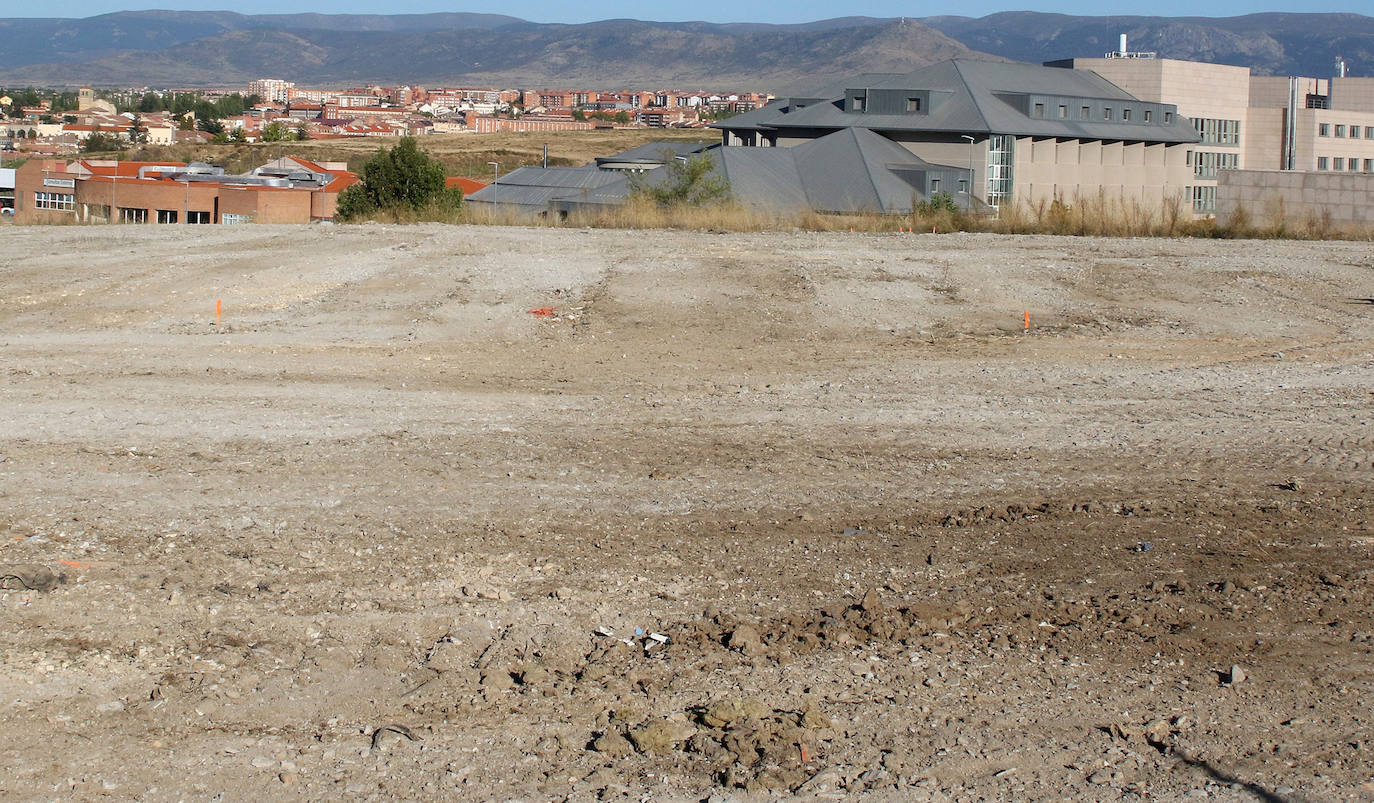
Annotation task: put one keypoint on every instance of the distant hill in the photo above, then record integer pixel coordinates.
(220, 48)
(1269, 44)
(165, 48)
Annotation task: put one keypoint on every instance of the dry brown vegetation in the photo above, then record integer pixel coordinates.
(462, 154)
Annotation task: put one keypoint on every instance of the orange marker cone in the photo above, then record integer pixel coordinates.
(1027, 320)
(217, 310)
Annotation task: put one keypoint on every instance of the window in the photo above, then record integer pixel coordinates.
(1217, 132)
(1369, 165)
(1206, 165)
(1204, 199)
(1000, 161)
(1063, 111)
(1354, 132)
(1338, 163)
(1168, 117)
(1106, 112)
(1125, 114)
(166, 216)
(229, 220)
(1354, 165)
(913, 104)
(1087, 112)
(963, 182)
(54, 200)
(1148, 115)
(1340, 130)
(1369, 132)
(934, 186)
(1324, 130)
(858, 104)
(127, 215)
(197, 217)
(1322, 163)
(1039, 110)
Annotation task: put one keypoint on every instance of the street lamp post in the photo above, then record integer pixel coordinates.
(970, 169)
(495, 177)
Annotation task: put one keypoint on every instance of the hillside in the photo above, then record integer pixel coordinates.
(182, 48)
(216, 49)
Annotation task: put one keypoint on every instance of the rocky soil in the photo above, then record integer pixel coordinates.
(498, 513)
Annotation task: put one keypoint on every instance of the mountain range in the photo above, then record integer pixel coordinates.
(221, 48)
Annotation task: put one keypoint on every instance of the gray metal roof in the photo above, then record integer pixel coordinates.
(655, 152)
(537, 187)
(983, 97)
(851, 170)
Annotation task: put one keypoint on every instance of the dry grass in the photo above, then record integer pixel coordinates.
(461, 154)
(1099, 217)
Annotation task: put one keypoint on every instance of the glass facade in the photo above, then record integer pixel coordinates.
(1001, 156)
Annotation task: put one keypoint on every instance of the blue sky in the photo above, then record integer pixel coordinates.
(710, 10)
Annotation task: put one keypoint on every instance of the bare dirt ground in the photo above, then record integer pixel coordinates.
(746, 515)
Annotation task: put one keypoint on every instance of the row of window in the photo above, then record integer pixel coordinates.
(1351, 165)
(1206, 165)
(1342, 130)
(54, 200)
(66, 202)
(1108, 113)
(1216, 131)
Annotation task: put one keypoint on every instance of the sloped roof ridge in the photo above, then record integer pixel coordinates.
(957, 65)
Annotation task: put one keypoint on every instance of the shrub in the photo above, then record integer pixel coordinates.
(681, 182)
(400, 182)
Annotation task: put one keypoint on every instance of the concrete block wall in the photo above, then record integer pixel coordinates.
(1348, 199)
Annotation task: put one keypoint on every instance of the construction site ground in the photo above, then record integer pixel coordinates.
(423, 512)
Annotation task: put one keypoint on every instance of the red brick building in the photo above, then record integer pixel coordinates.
(290, 190)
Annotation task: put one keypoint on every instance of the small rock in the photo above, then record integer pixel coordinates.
(532, 674)
(263, 762)
(113, 705)
(660, 737)
(746, 639)
(721, 713)
(821, 783)
(1236, 676)
(871, 601)
(613, 745)
(812, 718)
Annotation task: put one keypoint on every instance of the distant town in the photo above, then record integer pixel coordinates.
(274, 109)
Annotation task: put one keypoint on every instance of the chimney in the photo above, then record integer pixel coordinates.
(1123, 44)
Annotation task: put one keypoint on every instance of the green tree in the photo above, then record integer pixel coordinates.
(150, 102)
(396, 179)
(579, 115)
(686, 182)
(238, 135)
(274, 131)
(137, 133)
(301, 133)
(209, 125)
(99, 142)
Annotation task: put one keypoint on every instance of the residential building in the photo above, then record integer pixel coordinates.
(272, 90)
